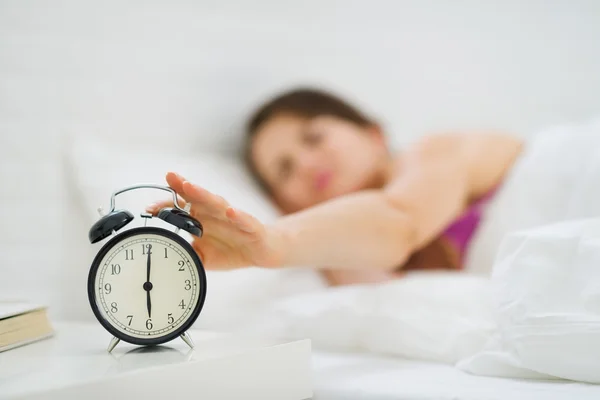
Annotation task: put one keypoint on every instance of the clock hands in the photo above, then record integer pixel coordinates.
(149, 263)
(149, 304)
(148, 284)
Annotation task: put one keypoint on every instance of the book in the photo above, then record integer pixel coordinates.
(22, 323)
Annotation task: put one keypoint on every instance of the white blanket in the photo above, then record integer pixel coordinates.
(556, 179)
(538, 316)
(546, 296)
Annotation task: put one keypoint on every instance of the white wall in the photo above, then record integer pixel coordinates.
(184, 74)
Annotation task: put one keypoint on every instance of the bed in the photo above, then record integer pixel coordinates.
(453, 330)
(355, 376)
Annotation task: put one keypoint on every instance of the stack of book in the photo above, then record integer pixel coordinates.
(22, 323)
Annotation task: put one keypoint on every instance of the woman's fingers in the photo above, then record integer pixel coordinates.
(175, 181)
(156, 207)
(205, 201)
(237, 218)
(242, 220)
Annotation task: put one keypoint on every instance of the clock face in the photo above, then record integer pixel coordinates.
(148, 285)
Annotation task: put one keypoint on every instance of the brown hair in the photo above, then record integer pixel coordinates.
(302, 102)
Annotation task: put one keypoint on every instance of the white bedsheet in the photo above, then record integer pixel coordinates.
(346, 376)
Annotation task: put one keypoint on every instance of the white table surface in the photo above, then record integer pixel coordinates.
(75, 364)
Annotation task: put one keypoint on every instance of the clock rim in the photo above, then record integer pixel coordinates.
(91, 285)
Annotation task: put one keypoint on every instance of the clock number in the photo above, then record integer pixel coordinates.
(113, 307)
(149, 324)
(170, 318)
(166, 253)
(130, 319)
(181, 264)
(188, 284)
(182, 305)
(116, 269)
(107, 288)
(144, 247)
(129, 254)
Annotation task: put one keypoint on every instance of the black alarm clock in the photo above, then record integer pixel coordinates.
(146, 285)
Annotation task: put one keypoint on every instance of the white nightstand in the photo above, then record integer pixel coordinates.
(75, 364)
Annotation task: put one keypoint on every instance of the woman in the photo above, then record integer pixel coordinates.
(352, 208)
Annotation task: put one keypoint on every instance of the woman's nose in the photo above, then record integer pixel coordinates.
(308, 165)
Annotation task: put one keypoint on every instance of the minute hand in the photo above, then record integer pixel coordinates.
(148, 284)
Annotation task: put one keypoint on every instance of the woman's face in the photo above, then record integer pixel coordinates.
(307, 161)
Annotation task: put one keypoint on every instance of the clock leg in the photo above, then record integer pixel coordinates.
(113, 342)
(187, 339)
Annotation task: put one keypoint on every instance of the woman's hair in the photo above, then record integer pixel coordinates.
(302, 102)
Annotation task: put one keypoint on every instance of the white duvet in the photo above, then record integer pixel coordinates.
(538, 316)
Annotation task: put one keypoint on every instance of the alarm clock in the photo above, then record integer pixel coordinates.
(146, 285)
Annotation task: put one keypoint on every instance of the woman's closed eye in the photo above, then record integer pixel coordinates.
(312, 138)
(284, 169)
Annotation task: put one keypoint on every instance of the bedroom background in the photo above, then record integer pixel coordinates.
(96, 95)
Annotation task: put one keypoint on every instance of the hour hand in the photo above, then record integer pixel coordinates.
(149, 304)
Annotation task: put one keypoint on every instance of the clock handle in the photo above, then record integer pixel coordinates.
(144, 186)
(117, 219)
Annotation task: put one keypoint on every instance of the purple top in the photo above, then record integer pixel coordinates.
(461, 231)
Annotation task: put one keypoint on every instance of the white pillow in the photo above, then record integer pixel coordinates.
(100, 167)
(96, 168)
(435, 316)
(547, 299)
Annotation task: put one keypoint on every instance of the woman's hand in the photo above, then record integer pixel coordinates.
(231, 238)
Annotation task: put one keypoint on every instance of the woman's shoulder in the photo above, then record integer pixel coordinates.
(445, 142)
(487, 156)
(432, 147)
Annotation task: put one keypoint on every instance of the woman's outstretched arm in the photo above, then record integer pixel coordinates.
(371, 229)
(379, 229)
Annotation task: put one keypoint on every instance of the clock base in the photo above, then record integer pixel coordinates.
(187, 339)
(113, 342)
(184, 336)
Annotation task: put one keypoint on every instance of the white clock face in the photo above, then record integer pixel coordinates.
(141, 305)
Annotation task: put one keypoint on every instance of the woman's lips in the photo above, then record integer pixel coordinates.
(322, 180)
